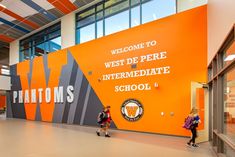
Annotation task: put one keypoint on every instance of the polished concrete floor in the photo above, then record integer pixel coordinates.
(21, 138)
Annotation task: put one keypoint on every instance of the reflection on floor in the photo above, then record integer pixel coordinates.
(20, 138)
(3, 115)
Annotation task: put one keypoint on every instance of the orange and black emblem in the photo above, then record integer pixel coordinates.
(132, 110)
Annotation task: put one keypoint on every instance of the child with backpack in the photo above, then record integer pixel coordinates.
(191, 123)
(104, 119)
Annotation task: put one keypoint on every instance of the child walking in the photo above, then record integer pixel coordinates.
(195, 121)
(104, 119)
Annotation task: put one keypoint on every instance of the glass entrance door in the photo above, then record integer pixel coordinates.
(199, 99)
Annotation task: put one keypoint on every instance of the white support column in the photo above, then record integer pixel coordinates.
(183, 5)
(68, 30)
(14, 52)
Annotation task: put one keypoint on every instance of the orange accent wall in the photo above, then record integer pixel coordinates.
(2, 101)
(200, 100)
(183, 36)
(55, 63)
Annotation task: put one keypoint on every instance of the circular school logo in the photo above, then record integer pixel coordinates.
(132, 110)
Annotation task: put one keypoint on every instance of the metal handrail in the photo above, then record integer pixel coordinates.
(225, 139)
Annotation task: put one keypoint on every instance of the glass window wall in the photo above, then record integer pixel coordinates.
(156, 9)
(111, 16)
(229, 54)
(114, 24)
(222, 97)
(43, 42)
(229, 104)
(135, 14)
(87, 33)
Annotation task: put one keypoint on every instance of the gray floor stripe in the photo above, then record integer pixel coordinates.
(85, 104)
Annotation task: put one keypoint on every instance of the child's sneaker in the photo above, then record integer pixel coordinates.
(107, 135)
(98, 133)
(188, 144)
(195, 145)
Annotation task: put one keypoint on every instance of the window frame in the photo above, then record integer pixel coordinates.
(31, 40)
(130, 7)
(216, 95)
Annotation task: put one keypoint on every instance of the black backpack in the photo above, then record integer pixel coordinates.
(101, 117)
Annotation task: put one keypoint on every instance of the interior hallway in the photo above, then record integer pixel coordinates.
(21, 138)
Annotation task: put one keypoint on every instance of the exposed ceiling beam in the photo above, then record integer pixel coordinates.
(38, 8)
(19, 18)
(5, 38)
(65, 6)
(14, 25)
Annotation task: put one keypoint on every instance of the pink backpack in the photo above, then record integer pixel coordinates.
(188, 122)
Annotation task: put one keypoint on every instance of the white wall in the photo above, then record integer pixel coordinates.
(183, 5)
(221, 17)
(5, 82)
(68, 30)
(14, 52)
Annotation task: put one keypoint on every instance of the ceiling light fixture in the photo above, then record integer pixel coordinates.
(4, 66)
(229, 58)
(5, 71)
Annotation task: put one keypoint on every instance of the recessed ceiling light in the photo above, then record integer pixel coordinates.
(5, 71)
(4, 66)
(3, 6)
(229, 58)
